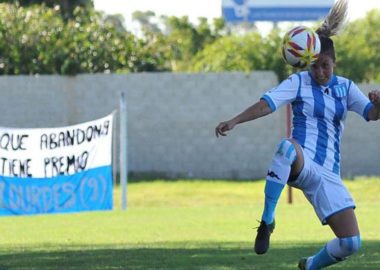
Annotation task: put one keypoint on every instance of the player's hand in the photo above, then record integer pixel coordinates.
(223, 127)
(374, 97)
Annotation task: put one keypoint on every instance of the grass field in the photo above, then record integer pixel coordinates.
(184, 225)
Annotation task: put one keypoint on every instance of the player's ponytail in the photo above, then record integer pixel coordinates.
(331, 26)
(335, 20)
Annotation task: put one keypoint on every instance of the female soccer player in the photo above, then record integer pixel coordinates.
(310, 159)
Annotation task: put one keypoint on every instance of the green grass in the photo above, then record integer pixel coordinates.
(184, 225)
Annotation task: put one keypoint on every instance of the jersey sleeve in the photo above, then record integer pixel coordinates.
(358, 102)
(284, 93)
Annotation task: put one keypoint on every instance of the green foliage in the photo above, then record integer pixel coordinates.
(243, 53)
(176, 41)
(357, 52)
(184, 40)
(37, 40)
(144, 19)
(273, 55)
(66, 7)
(231, 53)
(358, 49)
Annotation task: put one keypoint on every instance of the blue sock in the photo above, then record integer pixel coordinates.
(277, 177)
(335, 251)
(272, 194)
(321, 259)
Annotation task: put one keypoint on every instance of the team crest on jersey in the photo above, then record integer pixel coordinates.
(340, 90)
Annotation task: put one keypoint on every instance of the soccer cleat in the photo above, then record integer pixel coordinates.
(262, 238)
(302, 264)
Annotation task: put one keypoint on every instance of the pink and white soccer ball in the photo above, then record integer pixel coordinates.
(301, 47)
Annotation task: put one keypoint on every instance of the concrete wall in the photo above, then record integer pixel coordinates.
(171, 120)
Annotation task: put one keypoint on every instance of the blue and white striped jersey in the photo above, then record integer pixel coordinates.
(319, 113)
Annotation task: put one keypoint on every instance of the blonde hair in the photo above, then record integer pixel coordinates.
(335, 21)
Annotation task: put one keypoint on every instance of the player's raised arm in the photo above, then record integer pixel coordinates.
(259, 109)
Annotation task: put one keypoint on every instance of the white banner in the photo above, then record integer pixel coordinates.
(50, 152)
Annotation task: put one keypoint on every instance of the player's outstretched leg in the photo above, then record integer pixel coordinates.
(277, 177)
(348, 242)
(335, 251)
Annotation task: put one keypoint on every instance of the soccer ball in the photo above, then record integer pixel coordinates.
(301, 47)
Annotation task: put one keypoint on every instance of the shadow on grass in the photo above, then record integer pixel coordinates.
(177, 256)
(166, 178)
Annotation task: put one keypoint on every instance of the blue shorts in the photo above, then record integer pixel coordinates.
(323, 189)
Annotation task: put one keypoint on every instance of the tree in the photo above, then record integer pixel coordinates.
(144, 18)
(37, 40)
(231, 53)
(176, 40)
(67, 7)
(358, 49)
(116, 20)
(273, 59)
(185, 40)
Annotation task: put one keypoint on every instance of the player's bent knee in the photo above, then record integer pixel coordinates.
(350, 245)
(287, 151)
